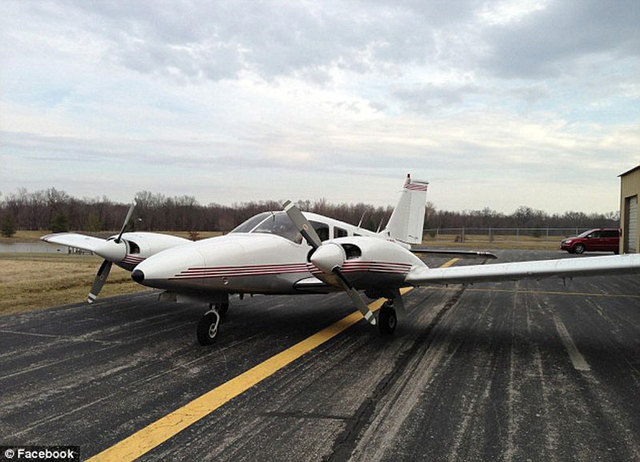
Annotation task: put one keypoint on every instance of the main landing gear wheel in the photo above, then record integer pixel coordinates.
(387, 320)
(207, 330)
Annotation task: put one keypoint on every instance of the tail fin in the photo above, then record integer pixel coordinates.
(407, 219)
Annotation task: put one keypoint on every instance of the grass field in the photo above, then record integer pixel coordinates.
(31, 282)
(482, 242)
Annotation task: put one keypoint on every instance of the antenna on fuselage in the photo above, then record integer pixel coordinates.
(361, 218)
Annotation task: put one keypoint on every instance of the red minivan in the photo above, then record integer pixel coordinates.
(599, 239)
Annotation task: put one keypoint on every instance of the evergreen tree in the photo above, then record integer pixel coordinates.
(60, 223)
(8, 227)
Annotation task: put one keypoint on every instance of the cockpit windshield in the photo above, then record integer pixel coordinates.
(280, 224)
(247, 226)
(277, 223)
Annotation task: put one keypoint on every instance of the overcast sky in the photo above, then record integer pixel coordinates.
(496, 104)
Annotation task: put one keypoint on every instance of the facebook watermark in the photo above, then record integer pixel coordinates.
(39, 453)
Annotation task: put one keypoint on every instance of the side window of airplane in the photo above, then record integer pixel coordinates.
(322, 229)
(339, 232)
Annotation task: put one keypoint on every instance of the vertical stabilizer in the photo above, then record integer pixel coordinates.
(407, 219)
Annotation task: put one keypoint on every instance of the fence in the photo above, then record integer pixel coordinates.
(499, 234)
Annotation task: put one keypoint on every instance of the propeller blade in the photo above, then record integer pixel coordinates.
(355, 298)
(99, 281)
(126, 220)
(302, 224)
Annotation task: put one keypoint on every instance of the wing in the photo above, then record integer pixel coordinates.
(565, 267)
(79, 241)
(454, 253)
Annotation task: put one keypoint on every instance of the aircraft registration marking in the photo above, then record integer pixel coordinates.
(161, 430)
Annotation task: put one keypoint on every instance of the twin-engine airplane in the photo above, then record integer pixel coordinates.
(291, 252)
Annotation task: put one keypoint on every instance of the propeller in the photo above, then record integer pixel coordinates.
(327, 257)
(105, 267)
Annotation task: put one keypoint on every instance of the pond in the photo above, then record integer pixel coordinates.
(33, 247)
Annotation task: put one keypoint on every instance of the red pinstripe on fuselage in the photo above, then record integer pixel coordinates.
(285, 268)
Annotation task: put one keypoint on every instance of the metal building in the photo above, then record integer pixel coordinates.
(629, 192)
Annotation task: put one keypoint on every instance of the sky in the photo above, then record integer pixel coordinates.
(496, 104)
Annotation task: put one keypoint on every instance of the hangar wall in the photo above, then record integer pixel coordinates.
(629, 216)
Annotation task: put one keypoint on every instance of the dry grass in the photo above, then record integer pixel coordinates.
(23, 236)
(499, 242)
(31, 282)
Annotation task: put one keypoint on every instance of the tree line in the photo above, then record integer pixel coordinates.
(57, 211)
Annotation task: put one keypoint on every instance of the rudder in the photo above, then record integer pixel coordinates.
(407, 220)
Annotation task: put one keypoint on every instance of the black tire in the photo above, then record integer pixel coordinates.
(387, 319)
(208, 328)
(578, 248)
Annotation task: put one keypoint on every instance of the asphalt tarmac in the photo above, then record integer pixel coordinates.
(533, 370)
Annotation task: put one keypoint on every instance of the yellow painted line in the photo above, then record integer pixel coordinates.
(173, 423)
(449, 263)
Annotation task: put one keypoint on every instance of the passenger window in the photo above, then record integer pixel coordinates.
(322, 230)
(339, 232)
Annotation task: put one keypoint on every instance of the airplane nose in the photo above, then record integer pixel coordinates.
(137, 276)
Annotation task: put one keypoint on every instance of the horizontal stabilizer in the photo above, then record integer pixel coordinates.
(78, 241)
(564, 267)
(455, 253)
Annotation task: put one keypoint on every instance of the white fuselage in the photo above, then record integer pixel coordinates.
(266, 263)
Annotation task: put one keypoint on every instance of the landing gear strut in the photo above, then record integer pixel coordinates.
(387, 319)
(209, 324)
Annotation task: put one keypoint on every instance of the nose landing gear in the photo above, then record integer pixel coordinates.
(209, 325)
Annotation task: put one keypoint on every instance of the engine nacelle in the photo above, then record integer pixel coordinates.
(367, 263)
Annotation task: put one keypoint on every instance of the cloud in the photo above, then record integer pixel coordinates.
(472, 93)
(557, 39)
